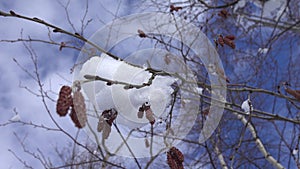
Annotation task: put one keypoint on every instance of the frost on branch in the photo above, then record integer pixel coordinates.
(15, 118)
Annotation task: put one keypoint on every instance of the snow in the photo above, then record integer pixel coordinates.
(295, 151)
(246, 106)
(15, 118)
(127, 101)
(274, 8)
(240, 4)
(263, 50)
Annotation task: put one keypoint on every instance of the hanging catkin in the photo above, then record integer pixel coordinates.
(64, 101)
(78, 114)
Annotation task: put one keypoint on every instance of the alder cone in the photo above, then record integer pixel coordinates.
(78, 114)
(64, 101)
(175, 158)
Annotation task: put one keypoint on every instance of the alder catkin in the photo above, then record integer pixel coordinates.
(106, 130)
(100, 124)
(105, 122)
(175, 158)
(64, 101)
(78, 114)
(140, 113)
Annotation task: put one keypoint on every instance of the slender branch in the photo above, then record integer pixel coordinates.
(259, 143)
(57, 29)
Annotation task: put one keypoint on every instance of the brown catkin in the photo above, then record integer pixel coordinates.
(140, 113)
(79, 110)
(74, 118)
(100, 124)
(149, 116)
(64, 101)
(175, 158)
(105, 122)
(106, 130)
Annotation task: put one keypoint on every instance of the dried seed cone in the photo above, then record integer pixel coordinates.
(175, 158)
(64, 101)
(79, 110)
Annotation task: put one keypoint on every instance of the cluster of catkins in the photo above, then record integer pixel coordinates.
(175, 158)
(73, 103)
(105, 122)
(146, 107)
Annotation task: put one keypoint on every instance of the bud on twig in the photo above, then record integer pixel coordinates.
(175, 8)
(223, 13)
(141, 33)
